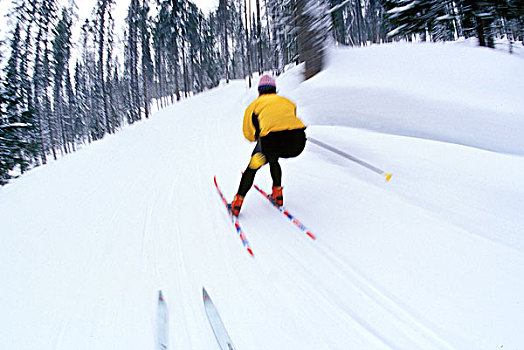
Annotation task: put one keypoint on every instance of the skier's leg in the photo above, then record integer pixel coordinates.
(285, 144)
(276, 173)
(248, 177)
(257, 160)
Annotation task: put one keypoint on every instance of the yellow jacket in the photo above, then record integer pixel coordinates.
(272, 113)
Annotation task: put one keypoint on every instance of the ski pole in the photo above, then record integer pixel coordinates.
(350, 157)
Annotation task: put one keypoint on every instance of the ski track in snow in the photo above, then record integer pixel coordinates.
(430, 260)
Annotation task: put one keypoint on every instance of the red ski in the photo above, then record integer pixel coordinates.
(287, 214)
(234, 220)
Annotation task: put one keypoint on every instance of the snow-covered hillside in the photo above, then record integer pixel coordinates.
(433, 259)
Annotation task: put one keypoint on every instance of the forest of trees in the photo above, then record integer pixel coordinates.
(56, 94)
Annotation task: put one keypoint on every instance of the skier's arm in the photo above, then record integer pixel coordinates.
(249, 128)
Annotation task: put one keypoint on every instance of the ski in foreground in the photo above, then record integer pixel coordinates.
(234, 220)
(162, 323)
(223, 339)
(287, 214)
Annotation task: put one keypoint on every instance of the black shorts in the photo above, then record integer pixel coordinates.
(282, 144)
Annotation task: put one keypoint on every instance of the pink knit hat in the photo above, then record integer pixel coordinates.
(266, 81)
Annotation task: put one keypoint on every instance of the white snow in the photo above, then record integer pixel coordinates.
(432, 259)
(399, 9)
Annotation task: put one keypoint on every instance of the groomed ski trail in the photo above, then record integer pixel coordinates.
(366, 282)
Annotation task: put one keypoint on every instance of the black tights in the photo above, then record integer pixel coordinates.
(275, 145)
(249, 177)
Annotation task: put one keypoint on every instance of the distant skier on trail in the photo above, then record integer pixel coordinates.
(272, 122)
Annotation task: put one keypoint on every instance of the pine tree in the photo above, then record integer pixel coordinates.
(147, 64)
(248, 44)
(13, 77)
(61, 56)
(210, 57)
(375, 19)
(176, 8)
(117, 95)
(339, 23)
(25, 15)
(236, 40)
(16, 148)
(223, 16)
(1, 47)
(479, 15)
(259, 40)
(26, 12)
(284, 23)
(71, 108)
(42, 80)
(82, 121)
(159, 66)
(7, 161)
(192, 29)
(428, 18)
(447, 20)
(109, 67)
(131, 62)
(314, 26)
(103, 17)
(10, 143)
(511, 20)
(38, 83)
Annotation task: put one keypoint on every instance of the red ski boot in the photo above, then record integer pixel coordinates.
(276, 197)
(236, 205)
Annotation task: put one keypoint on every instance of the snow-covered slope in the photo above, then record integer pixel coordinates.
(445, 92)
(431, 260)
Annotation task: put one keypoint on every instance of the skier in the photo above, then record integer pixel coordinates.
(272, 122)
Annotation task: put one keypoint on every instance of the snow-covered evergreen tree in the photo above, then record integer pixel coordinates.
(61, 56)
(314, 30)
(210, 57)
(131, 62)
(223, 19)
(283, 22)
(16, 145)
(13, 84)
(429, 18)
(448, 20)
(146, 60)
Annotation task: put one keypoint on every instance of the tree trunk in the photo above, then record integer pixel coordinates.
(101, 65)
(226, 44)
(311, 39)
(143, 36)
(174, 15)
(360, 23)
(259, 41)
(201, 56)
(247, 44)
(184, 69)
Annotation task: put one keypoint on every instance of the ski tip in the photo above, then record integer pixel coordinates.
(312, 236)
(205, 296)
(160, 296)
(388, 177)
(250, 251)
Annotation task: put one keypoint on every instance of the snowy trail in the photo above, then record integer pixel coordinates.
(430, 260)
(279, 249)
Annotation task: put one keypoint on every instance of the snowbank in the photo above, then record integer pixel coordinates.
(446, 92)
